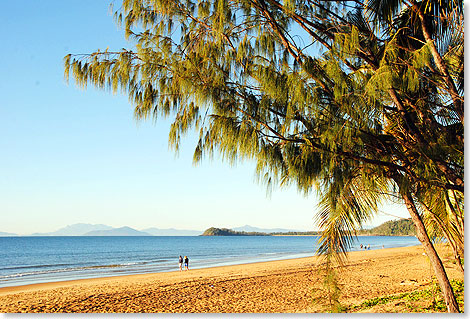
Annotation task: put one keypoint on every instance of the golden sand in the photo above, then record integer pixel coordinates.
(275, 286)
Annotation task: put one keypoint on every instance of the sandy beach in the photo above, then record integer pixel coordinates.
(267, 287)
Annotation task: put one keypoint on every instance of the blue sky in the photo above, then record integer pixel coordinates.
(73, 155)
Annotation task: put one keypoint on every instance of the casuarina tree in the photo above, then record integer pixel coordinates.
(357, 101)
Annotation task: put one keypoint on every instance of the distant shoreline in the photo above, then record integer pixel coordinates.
(401, 227)
(281, 235)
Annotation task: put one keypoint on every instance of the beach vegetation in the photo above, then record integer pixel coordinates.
(358, 101)
(423, 300)
(327, 296)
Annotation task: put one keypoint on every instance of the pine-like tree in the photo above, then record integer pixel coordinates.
(357, 100)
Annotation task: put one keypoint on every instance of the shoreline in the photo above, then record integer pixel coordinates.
(268, 287)
(77, 277)
(92, 280)
(243, 261)
(116, 268)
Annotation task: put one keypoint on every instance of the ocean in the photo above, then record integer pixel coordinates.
(29, 260)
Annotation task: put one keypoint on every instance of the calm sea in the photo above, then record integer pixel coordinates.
(27, 260)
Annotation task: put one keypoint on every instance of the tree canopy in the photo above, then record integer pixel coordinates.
(359, 101)
(401, 227)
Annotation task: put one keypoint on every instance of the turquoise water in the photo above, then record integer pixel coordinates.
(27, 260)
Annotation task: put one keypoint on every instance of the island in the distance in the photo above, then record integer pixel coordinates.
(401, 227)
(213, 231)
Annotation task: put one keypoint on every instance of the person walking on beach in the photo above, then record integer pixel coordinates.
(180, 262)
(186, 263)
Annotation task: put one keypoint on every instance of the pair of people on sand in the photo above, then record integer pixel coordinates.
(186, 263)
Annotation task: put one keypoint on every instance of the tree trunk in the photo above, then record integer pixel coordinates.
(436, 263)
(439, 61)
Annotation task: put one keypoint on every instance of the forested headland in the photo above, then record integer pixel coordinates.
(213, 231)
(401, 227)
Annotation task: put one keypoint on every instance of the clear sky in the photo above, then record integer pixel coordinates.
(78, 156)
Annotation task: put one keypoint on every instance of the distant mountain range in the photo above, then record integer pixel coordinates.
(76, 230)
(82, 229)
(122, 231)
(171, 232)
(3, 234)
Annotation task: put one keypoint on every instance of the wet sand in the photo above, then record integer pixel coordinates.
(276, 286)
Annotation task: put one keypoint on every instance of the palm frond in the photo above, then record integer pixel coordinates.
(349, 200)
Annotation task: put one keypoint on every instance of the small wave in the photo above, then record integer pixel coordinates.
(34, 266)
(69, 269)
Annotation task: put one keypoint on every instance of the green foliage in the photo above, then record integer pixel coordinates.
(329, 294)
(430, 296)
(401, 227)
(379, 300)
(333, 291)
